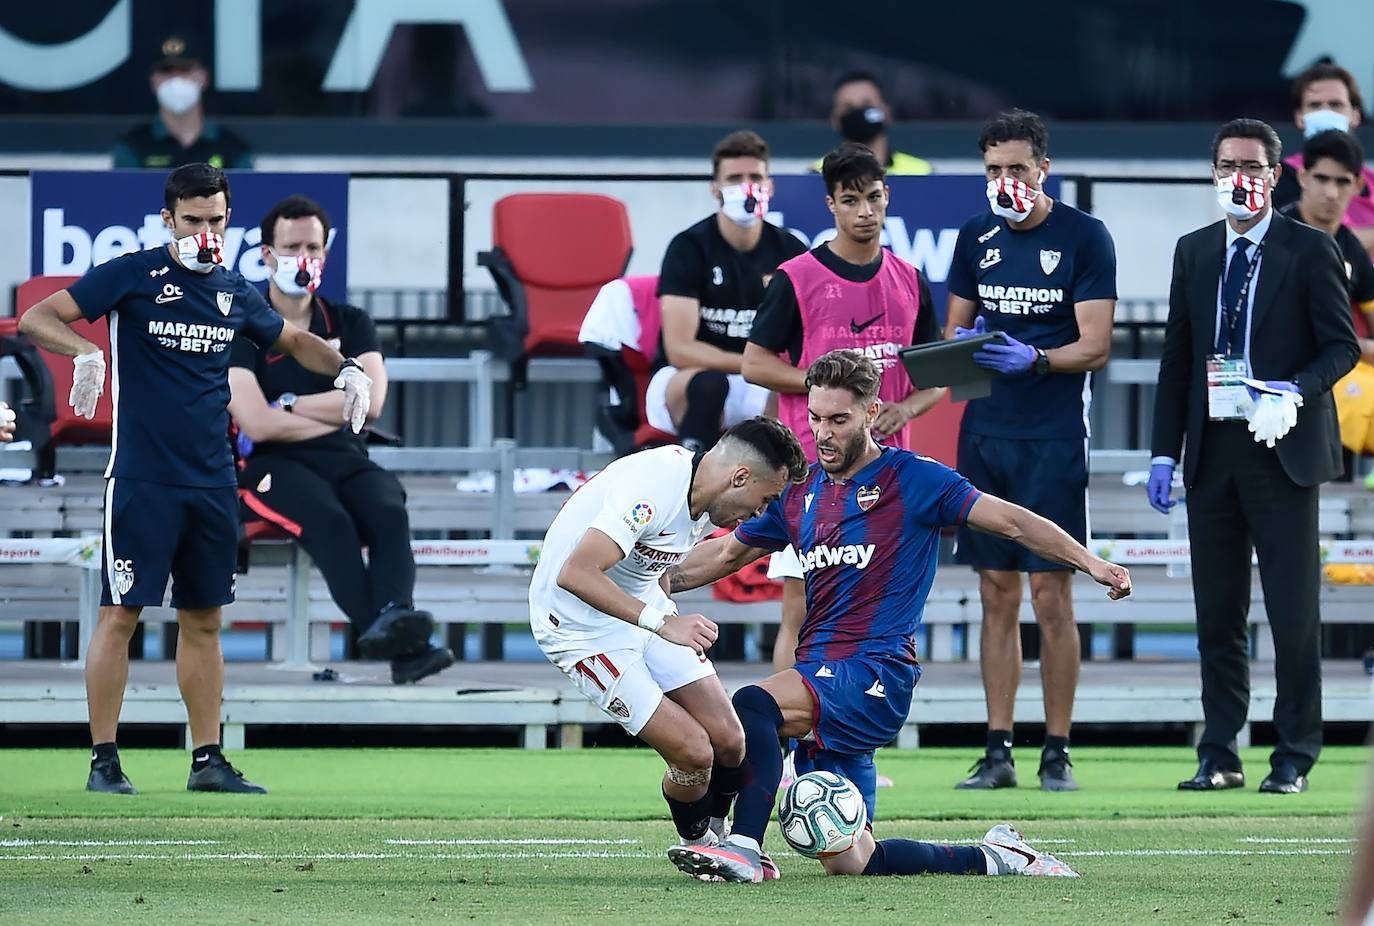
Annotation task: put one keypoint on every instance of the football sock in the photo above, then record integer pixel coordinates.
(999, 745)
(762, 719)
(104, 752)
(706, 394)
(725, 782)
(201, 756)
(1056, 746)
(909, 857)
(690, 817)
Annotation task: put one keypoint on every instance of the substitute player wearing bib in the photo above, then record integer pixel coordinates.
(866, 524)
(1043, 274)
(599, 610)
(171, 505)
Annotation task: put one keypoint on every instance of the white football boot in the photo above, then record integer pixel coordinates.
(1008, 854)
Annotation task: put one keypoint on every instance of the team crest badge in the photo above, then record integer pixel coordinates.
(618, 708)
(867, 497)
(1048, 261)
(225, 301)
(124, 580)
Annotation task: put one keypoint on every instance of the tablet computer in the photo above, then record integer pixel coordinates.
(950, 363)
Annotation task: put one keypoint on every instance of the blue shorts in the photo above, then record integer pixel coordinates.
(1049, 477)
(154, 532)
(861, 704)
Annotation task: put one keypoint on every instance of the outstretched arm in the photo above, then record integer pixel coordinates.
(712, 560)
(992, 515)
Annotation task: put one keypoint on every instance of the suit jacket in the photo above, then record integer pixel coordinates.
(1301, 331)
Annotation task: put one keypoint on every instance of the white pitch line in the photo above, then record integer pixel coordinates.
(321, 857)
(24, 843)
(512, 842)
(1135, 853)
(1300, 840)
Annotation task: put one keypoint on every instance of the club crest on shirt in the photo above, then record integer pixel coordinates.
(123, 575)
(867, 497)
(225, 301)
(1049, 260)
(618, 708)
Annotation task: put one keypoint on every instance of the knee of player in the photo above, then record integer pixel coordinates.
(204, 623)
(692, 753)
(728, 744)
(120, 618)
(708, 389)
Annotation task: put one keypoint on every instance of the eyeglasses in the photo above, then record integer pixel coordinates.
(1249, 168)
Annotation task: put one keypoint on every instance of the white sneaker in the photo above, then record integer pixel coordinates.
(1008, 854)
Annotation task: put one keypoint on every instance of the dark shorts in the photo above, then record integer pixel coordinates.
(1049, 477)
(861, 705)
(154, 532)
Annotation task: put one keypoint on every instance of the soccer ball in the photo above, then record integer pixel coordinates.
(822, 815)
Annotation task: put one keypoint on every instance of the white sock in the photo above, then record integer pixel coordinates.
(745, 842)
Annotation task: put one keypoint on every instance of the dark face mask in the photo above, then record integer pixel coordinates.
(863, 125)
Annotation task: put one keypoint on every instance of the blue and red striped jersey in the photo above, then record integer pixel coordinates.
(868, 547)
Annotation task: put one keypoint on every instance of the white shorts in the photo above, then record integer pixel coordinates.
(785, 564)
(744, 400)
(626, 671)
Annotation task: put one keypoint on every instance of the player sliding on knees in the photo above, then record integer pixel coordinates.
(600, 612)
(866, 524)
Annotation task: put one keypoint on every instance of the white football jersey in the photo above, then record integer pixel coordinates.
(640, 502)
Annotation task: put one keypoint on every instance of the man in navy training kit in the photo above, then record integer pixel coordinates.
(866, 525)
(171, 501)
(1043, 274)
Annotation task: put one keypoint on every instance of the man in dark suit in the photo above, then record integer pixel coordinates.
(1259, 330)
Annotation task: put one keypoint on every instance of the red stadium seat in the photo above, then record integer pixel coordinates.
(69, 428)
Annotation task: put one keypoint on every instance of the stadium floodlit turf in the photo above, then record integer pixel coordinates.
(504, 836)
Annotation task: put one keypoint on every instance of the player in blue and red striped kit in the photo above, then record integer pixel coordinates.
(866, 525)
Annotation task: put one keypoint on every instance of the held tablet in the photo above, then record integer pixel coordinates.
(950, 363)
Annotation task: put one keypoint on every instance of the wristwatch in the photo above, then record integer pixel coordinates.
(1042, 361)
(287, 402)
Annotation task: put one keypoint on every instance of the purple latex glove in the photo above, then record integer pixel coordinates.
(1273, 385)
(1160, 486)
(980, 326)
(245, 445)
(1006, 358)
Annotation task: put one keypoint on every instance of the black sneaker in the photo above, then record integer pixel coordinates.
(108, 778)
(398, 629)
(219, 775)
(1056, 772)
(406, 669)
(988, 773)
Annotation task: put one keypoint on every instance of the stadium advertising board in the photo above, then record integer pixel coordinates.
(81, 219)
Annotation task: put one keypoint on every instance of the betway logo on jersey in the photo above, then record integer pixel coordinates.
(824, 556)
(733, 323)
(191, 339)
(1020, 300)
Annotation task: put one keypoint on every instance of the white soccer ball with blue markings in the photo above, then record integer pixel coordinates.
(822, 815)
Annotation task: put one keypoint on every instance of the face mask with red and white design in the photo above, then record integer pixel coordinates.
(297, 275)
(1241, 195)
(1012, 199)
(201, 253)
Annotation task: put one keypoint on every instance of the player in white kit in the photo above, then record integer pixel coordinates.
(600, 612)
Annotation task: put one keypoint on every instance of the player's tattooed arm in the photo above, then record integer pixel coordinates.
(711, 560)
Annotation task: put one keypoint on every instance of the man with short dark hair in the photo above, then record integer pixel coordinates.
(180, 133)
(1258, 333)
(171, 503)
(711, 284)
(301, 471)
(860, 113)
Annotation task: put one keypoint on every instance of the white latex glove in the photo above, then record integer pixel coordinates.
(88, 382)
(7, 418)
(357, 388)
(1272, 416)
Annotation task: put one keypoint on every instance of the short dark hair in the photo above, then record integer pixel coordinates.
(846, 369)
(851, 166)
(294, 206)
(1342, 147)
(774, 442)
(1261, 131)
(1016, 125)
(1325, 70)
(191, 181)
(741, 144)
(857, 76)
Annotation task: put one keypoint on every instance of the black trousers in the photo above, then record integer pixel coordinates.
(341, 502)
(1243, 500)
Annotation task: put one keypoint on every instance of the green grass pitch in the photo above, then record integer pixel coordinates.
(504, 836)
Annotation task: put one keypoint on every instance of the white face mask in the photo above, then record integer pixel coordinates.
(178, 94)
(201, 253)
(745, 204)
(297, 275)
(1242, 196)
(1012, 199)
(1323, 120)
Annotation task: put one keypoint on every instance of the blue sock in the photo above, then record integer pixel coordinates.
(762, 719)
(909, 857)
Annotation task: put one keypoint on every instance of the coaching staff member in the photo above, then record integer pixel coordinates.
(306, 474)
(1263, 296)
(171, 503)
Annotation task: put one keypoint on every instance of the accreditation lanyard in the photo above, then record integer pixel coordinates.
(1228, 344)
(1227, 397)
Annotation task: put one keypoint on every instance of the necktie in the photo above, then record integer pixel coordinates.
(1232, 312)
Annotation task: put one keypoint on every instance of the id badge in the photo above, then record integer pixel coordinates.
(1227, 397)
